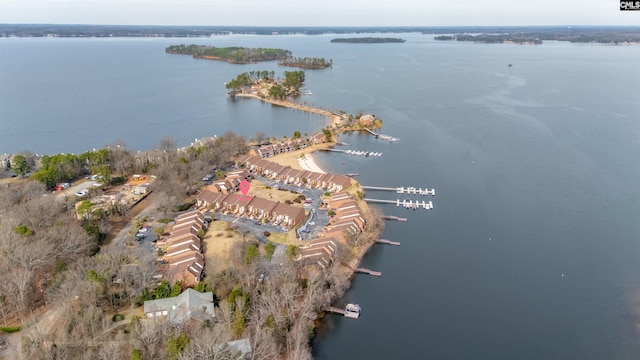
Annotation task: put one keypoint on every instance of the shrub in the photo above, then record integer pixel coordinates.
(269, 249)
(185, 206)
(117, 180)
(251, 253)
(117, 317)
(291, 251)
(10, 329)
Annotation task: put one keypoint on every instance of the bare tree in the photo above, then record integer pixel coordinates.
(150, 335)
(260, 137)
(167, 147)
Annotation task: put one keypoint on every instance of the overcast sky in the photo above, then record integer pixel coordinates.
(318, 13)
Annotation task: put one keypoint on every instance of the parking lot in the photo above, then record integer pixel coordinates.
(319, 219)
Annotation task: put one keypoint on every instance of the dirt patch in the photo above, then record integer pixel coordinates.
(219, 242)
(260, 190)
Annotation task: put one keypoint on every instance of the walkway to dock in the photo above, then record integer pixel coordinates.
(384, 241)
(367, 271)
(343, 312)
(391, 217)
(382, 136)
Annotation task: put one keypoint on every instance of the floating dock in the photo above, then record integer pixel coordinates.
(384, 241)
(407, 204)
(356, 152)
(402, 190)
(382, 136)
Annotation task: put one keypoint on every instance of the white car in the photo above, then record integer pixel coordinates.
(82, 192)
(97, 184)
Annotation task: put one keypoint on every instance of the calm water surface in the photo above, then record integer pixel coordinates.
(532, 249)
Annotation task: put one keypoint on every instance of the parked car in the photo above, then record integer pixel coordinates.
(82, 192)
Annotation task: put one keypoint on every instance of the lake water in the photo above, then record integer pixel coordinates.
(532, 249)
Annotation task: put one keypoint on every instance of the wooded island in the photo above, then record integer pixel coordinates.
(234, 54)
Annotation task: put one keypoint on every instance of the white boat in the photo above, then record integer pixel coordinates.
(352, 311)
(353, 307)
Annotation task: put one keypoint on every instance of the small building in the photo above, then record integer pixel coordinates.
(142, 189)
(317, 138)
(366, 120)
(186, 306)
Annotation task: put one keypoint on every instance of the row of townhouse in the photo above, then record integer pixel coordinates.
(231, 183)
(183, 248)
(266, 151)
(253, 207)
(288, 175)
(348, 220)
(270, 150)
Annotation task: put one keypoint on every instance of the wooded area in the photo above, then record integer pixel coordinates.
(89, 291)
(236, 55)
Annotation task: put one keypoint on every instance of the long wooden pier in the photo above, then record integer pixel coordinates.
(382, 136)
(367, 271)
(335, 310)
(384, 241)
(402, 190)
(407, 204)
(391, 217)
(354, 314)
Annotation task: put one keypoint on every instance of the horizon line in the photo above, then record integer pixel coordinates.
(331, 26)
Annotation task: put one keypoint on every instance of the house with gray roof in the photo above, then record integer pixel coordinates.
(186, 306)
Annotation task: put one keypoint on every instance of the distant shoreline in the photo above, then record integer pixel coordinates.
(88, 30)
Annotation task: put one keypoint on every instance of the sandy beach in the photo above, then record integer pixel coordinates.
(307, 163)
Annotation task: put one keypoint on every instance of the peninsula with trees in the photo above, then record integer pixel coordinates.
(263, 85)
